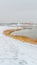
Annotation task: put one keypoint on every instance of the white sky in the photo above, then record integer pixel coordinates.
(18, 9)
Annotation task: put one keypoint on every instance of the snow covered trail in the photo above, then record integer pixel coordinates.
(14, 52)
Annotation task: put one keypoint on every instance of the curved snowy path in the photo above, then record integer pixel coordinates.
(14, 52)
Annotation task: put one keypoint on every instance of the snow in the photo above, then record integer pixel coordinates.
(15, 52)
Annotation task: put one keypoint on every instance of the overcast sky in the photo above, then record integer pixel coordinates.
(18, 9)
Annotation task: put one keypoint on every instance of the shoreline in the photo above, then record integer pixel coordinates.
(20, 38)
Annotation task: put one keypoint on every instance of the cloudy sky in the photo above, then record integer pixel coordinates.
(18, 9)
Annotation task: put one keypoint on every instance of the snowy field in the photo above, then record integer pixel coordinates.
(14, 52)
